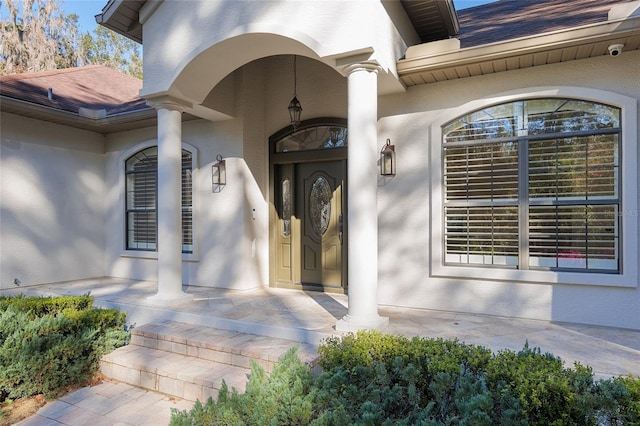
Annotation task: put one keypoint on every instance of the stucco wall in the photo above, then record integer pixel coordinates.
(51, 203)
(182, 43)
(406, 222)
(218, 217)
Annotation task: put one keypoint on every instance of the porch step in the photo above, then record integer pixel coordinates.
(190, 361)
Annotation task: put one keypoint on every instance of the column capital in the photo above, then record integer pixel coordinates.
(370, 66)
(166, 101)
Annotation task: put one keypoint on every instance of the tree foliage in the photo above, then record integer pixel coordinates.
(36, 35)
(106, 47)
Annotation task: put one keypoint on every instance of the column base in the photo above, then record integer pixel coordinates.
(170, 299)
(352, 324)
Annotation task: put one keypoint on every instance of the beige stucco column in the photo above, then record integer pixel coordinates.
(169, 205)
(362, 201)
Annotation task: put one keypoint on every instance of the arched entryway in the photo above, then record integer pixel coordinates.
(308, 225)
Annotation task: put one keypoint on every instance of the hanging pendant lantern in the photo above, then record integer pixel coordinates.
(295, 109)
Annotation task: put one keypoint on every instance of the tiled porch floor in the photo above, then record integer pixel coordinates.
(311, 316)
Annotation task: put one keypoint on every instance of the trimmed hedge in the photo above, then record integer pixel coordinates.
(371, 378)
(381, 378)
(49, 343)
(39, 306)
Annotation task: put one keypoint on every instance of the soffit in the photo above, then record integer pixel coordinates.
(111, 124)
(432, 19)
(122, 16)
(560, 46)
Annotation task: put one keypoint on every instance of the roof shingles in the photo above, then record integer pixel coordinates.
(93, 87)
(509, 19)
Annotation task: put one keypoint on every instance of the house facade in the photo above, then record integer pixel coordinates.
(480, 161)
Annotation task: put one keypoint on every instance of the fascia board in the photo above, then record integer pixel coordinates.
(28, 109)
(522, 46)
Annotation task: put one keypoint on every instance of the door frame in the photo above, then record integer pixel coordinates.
(279, 161)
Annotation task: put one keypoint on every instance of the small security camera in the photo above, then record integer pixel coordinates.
(615, 49)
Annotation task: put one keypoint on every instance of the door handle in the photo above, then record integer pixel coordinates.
(340, 227)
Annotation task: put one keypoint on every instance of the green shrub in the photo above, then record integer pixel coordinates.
(617, 400)
(382, 378)
(43, 354)
(39, 306)
(100, 319)
(429, 356)
(282, 398)
(630, 405)
(546, 392)
(374, 379)
(61, 345)
(391, 394)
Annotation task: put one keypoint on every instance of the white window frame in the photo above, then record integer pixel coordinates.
(628, 276)
(142, 254)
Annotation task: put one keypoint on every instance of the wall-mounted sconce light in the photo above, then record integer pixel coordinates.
(218, 174)
(388, 159)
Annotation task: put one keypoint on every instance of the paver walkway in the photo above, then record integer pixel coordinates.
(310, 316)
(109, 403)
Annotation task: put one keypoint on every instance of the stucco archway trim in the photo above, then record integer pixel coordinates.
(198, 77)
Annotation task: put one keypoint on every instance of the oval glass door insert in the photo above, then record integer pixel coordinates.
(320, 206)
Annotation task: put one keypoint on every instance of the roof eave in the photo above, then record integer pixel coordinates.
(432, 19)
(112, 123)
(451, 17)
(114, 19)
(595, 39)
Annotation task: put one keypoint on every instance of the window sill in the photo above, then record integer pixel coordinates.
(629, 280)
(153, 255)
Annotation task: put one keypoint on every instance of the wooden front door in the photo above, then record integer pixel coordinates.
(319, 195)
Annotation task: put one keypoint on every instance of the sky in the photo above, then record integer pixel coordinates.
(87, 9)
(465, 4)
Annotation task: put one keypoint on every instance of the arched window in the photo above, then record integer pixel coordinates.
(141, 170)
(534, 184)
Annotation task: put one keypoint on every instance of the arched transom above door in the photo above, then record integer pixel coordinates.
(312, 138)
